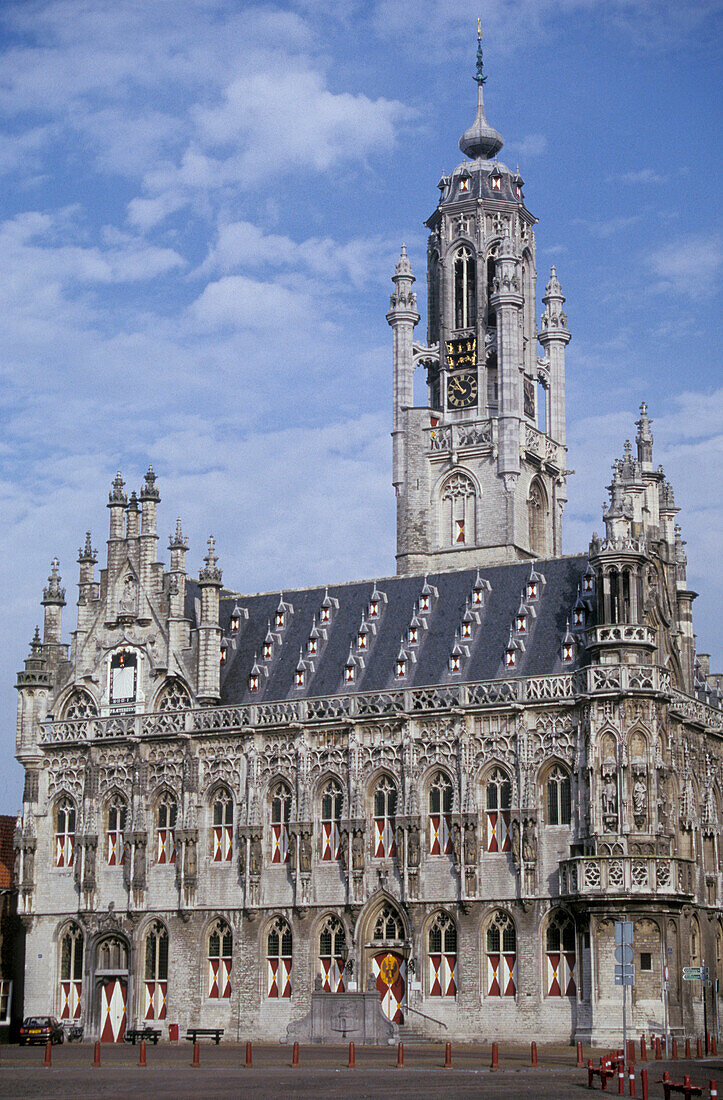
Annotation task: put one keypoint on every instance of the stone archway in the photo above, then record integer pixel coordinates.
(386, 951)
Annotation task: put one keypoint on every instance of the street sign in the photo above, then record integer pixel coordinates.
(695, 973)
(624, 953)
(624, 974)
(624, 931)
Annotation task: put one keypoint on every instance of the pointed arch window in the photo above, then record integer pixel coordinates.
(442, 943)
(280, 817)
(80, 705)
(388, 927)
(458, 511)
(560, 956)
(491, 268)
(440, 815)
(278, 960)
(166, 812)
(155, 987)
(116, 824)
(331, 810)
(222, 826)
(220, 961)
(174, 696)
(501, 951)
(537, 518)
(385, 811)
(64, 832)
(71, 974)
(559, 801)
(498, 799)
(332, 955)
(465, 289)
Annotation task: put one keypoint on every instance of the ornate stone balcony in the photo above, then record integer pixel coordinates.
(542, 447)
(456, 437)
(618, 634)
(616, 679)
(621, 876)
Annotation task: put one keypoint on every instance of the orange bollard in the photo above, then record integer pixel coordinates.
(249, 1058)
(713, 1045)
(400, 1056)
(675, 1048)
(699, 1048)
(580, 1060)
(295, 1055)
(621, 1079)
(448, 1056)
(142, 1055)
(48, 1053)
(631, 1080)
(644, 1083)
(658, 1052)
(533, 1053)
(713, 1089)
(196, 1055)
(352, 1057)
(643, 1049)
(631, 1052)
(687, 1050)
(96, 1055)
(495, 1059)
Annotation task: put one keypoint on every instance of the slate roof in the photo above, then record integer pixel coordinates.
(542, 654)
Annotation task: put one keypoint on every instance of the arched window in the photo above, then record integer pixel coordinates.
(385, 812)
(71, 974)
(116, 823)
(465, 289)
(458, 511)
(388, 927)
(123, 684)
(64, 832)
(174, 696)
(166, 812)
(278, 960)
(331, 809)
(280, 817)
(537, 517)
(156, 973)
(80, 705)
(442, 956)
(332, 955)
(222, 826)
(501, 956)
(112, 955)
(491, 315)
(559, 804)
(440, 811)
(220, 958)
(560, 956)
(498, 799)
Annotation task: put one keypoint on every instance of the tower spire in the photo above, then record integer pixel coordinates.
(481, 139)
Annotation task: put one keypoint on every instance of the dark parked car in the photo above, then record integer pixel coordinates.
(38, 1029)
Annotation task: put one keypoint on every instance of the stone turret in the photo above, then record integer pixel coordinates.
(33, 684)
(554, 337)
(178, 625)
(87, 586)
(150, 576)
(117, 503)
(209, 631)
(506, 300)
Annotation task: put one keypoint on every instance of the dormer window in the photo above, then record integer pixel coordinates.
(568, 653)
(280, 617)
(313, 646)
(268, 650)
(510, 657)
(578, 616)
(254, 681)
(374, 609)
(522, 624)
(478, 591)
(361, 639)
(349, 673)
(224, 654)
(414, 635)
(467, 629)
(235, 623)
(496, 183)
(454, 663)
(464, 184)
(532, 590)
(300, 677)
(424, 602)
(401, 670)
(588, 581)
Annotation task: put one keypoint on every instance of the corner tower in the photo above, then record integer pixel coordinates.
(479, 471)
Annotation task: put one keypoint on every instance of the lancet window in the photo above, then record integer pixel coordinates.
(385, 810)
(501, 956)
(222, 826)
(559, 803)
(458, 511)
(278, 960)
(332, 955)
(498, 799)
(331, 810)
(166, 812)
(280, 817)
(71, 974)
(442, 942)
(64, 832)
(155, 986)
(440, 810)
(465, 289)
(560, 956)
(116, 822)
(220, 960)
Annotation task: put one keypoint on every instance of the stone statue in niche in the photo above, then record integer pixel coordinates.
(127, 850)
(29, 866)
(470, 843)
(515, 841)
(256, 855)
(609, 798)
(291, 852)
(190, 854)
(413, 847)
(529, 841)
(129, 596)
(242, 857)
(640, 797)
(456, 842)
(357, 850)
(305, 852)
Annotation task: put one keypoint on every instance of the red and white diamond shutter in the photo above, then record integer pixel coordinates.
(113, 1010)
(390, 972)
(116, 822)
(222, 844)
(442, 944)
(165, 830)
(280, 817)
(385, 809)
(440, 809)
(222, 826)
(220, 952)
(71, 1000)
(332, 950)
(278, 960)
(155, 1000)
(561, 956)
(64, 833)
(331, 809)
(501, 957)
(332, 975)
(166, 849)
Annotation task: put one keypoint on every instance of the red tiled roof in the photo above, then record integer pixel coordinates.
(7, 854)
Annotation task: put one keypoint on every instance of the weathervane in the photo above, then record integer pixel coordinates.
(479, 75)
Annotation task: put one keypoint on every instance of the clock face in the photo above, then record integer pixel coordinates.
(462, 390)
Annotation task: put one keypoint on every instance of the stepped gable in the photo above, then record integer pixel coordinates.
(541, 655)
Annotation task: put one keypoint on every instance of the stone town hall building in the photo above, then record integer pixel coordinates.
(443, 786)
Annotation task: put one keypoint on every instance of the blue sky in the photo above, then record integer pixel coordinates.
(201, 208)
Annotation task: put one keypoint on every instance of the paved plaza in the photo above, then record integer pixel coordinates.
(322, 1072)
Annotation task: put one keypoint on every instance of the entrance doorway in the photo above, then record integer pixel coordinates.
(388, 960)
(111, 981)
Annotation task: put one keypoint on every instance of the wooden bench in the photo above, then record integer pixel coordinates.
(195, 1033)
(136, 1034)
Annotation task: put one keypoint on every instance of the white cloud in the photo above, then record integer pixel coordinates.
(640, 175)
(689, 265)
(531, 145)
(240, 302)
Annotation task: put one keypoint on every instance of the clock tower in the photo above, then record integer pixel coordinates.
(479, 471)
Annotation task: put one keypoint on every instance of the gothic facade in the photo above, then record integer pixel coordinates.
(444, 785)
